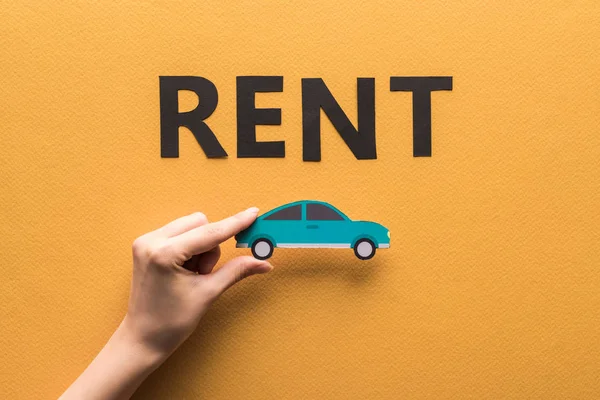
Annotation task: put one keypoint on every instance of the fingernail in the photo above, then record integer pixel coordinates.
(252, 210)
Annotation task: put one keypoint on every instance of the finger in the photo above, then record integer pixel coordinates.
(184, 224)
(203, 263)
(237, 269)
(206, 237)
(192, 264)
(208, 260)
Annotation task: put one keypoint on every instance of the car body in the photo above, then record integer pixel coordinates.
(312, 224)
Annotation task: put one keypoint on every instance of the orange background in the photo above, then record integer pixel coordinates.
(491, 286)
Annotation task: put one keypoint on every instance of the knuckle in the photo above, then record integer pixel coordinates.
(158, 254)
(214, 230)
(139, 246)
(153, 256)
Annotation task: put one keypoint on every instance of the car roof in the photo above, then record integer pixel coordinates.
(305, 202)
(299, 202)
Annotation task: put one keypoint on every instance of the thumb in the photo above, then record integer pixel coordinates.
(237, 269)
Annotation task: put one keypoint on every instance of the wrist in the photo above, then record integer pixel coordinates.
(118, 370)
(126, 340)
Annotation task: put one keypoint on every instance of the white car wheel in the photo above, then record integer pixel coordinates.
(262, 249)
(364, 249)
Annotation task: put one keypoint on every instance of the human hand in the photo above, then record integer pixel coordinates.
(173, 284)
(173, 279)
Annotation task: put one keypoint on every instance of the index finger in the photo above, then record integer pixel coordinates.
(206, 237)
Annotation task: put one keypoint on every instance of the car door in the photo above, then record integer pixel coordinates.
(326, 226)
(285, 226)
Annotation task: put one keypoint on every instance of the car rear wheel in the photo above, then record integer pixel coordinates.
(262, 249)
(364, 249)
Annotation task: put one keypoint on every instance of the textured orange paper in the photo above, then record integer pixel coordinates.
(491, 288)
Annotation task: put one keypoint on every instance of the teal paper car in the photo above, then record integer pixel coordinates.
(311, 224)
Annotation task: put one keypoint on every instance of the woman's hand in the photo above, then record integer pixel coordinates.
(172, 287)
(173, 279)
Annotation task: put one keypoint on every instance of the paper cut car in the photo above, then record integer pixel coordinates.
(312, 224)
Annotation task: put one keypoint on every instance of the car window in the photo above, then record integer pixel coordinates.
(293, 213)
(320, 212)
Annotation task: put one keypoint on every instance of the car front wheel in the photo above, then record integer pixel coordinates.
(262, 249)
(364, 249)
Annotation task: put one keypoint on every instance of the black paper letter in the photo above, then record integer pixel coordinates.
(421, 87)
(248, 116)
(316, 96)
(171, 119)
